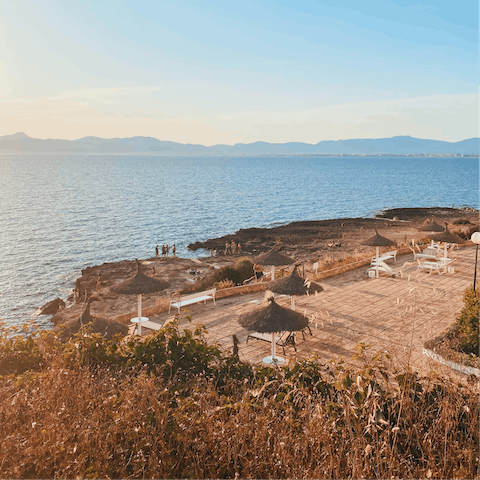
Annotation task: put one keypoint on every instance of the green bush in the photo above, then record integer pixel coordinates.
(467, 322)
(243, 269)
(19, 352)
(173, 352)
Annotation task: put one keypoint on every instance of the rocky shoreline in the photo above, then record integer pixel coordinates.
(306, 241)
(312, 237)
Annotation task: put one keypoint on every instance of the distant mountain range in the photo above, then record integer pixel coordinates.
(405, 145)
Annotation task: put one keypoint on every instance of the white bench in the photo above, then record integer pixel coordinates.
(193, 298)
(282, 338)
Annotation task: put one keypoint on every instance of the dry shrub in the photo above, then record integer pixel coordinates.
(330, 262)
(462, 221)
(225, 284)
(304, 420)
(163, 303)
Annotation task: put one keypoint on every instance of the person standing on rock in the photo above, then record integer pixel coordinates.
(156, 251)
(99, 282)
(167, 249)
(174, 250)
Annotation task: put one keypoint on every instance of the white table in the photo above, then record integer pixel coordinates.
(139, 323)
(275, 360)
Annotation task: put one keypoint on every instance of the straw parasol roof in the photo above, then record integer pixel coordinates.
(105, 327)
(86, 317)
(293, 284)
(273, 318)
(275, 258)
(430, 226)
(447, 237)
(378, 241)
(139, 284)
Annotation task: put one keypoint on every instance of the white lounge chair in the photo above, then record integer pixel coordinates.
(383, 267)
(440, 266)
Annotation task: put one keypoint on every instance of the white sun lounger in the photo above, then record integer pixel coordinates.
(383, 267)
(440, 266)
(387, 256)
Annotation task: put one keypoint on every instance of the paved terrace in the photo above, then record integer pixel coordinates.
(392, 314)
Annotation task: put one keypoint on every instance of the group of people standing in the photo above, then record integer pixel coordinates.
(166, 251)
(232, 248)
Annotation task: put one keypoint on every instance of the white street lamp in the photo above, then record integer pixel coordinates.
(476, 240)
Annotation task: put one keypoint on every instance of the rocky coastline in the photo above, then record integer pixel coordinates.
(306, 241)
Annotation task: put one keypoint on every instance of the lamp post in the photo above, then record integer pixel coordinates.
(476, 240)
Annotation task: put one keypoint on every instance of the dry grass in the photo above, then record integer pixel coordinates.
(303, 421)
(331, 264)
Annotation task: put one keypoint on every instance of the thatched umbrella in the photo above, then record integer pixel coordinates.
(275, 259)
(430, 226)
(378, 241)
(104, 326)
(272, 319)
(293, 284)
(86, 316)
(139, 285)
(447, 237)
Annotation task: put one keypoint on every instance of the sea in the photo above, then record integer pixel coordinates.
(62, 213)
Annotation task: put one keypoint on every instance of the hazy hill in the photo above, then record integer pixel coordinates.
(22, 143)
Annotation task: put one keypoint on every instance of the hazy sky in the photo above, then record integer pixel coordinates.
(214, 72)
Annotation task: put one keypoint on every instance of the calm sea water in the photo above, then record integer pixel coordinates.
(60, 214)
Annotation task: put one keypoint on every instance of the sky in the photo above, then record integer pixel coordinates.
(217, 72)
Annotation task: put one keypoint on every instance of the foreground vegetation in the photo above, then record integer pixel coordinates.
(174, 407)
(460, 342)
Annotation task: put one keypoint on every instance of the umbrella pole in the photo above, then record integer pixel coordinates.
(293, 303)
(377, 261)
(139, 314)
(273, 272)
(445, 251)
(273, 348)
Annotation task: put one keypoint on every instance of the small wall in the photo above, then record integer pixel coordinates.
(453, 365)
(240, 290)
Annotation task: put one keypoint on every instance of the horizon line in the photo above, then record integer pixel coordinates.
(235, 144)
